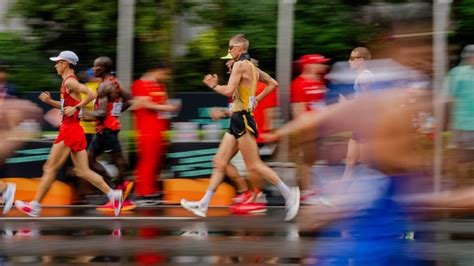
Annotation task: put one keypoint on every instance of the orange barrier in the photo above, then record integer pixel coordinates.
(193, 189)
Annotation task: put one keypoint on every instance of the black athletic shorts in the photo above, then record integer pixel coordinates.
(105, 142)
(241, 122)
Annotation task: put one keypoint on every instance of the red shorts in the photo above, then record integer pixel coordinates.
(73, 136)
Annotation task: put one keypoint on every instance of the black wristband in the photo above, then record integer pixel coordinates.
(78, 108)
(213, 87)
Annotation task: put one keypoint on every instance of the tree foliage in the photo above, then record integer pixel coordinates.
(317, 29)
(89, 28)
(463, 22)
(27, 69)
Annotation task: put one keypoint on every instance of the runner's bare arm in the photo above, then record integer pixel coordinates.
(145, 102)
(336, 118)
(271, 85)
(45, 97)
(227, 90)
(74, 86)
(13, 115)
(103, 102)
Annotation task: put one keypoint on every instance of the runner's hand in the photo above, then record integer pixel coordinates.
(255, 104)
(174, 107)
(138, 102)
(211, 80)
(69, 110)
(269, 137)
(217, 113)
(45, 96)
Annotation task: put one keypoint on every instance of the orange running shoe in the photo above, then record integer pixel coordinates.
(127, 205)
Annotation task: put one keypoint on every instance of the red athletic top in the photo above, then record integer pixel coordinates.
(307, 91)
(114, 109)
(68, 100)
(259, 114)
(158, 95)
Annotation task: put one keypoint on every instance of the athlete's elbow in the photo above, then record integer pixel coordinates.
(272, 84)
(92, 95)
(227, 93)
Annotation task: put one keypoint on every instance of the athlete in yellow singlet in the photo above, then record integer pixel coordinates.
(242, 86)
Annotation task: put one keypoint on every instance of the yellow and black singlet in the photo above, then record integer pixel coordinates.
(242, 119)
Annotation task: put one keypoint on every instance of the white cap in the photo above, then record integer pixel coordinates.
(68, 56)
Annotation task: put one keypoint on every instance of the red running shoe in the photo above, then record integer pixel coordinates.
(251, 207)
(242, 198)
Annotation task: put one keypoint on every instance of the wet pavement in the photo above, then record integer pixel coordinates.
(170, 235)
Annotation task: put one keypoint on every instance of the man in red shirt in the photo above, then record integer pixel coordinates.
(151, 104)
(112, 99)
(308, 91)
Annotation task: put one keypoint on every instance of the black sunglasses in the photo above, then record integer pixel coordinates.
(352, 58)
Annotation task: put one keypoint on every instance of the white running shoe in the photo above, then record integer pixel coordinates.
(193, 206)
(293, 204)
(117, 200)
(8, 196)
(31, 208)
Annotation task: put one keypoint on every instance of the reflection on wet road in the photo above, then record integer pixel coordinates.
(169, 235)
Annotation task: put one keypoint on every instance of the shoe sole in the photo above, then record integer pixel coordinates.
(293, 215)
(127, 208)
(250, 212)
(198, 213)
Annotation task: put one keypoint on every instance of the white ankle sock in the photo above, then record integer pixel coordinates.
(204, 202)
(284, 190)
(110, 194)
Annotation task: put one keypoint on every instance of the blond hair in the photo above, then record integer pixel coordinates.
(363, 52)
(241, 39)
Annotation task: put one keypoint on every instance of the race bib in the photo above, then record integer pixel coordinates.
(116, 109)
(317, 106)
(251, 103)
(62, 106)
(231, 107)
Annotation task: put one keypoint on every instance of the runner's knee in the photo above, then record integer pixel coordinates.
(219, 163)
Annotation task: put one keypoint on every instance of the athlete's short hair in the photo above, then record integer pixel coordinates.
(241, 39)
(364, 52)
(106, 63)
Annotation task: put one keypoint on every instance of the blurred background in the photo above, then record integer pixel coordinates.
(412, 42)
(192, 35)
